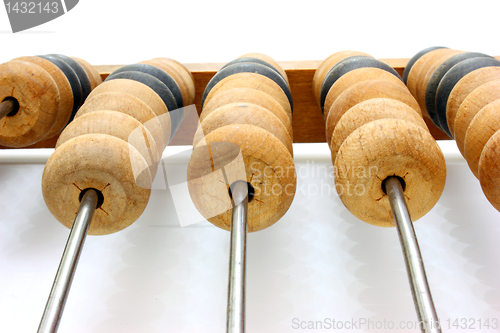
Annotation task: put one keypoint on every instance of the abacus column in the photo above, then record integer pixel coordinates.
(110, 151)
(241, 174)
(374, 124)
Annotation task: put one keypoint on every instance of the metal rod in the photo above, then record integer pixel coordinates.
(6, 107)
(67, 267)
(237, 260)
(414, 265)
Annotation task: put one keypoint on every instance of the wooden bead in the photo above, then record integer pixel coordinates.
(436, 77)
(269, 60)
(104, 163)
(158, 126)
(73, 79)
(119, 125)
(464, 87)
(489, 170)
(481, 129)
(477, 99)
(384, 148)
(432, 60)
(367, 111)
(186, 75)
(364, 91)
(253, 60)
(92, 73)
(138, 89)
(264, 162)
(325, 67)
(80, 73)
(451, 78)
(158, 73)
(252, 81)
(38, 96)
(247, 95)
(244, 113)
(415, 58)
(353, 77)
(172, 71)
(65, 93)
(347, 65)
(248, 67)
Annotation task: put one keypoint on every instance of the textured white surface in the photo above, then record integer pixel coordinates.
(318, 262)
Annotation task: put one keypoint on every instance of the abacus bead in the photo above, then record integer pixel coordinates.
(119, 125)
(104, 163)
(384, 148)
(79, 71)
(186, 74)
(353, 77)
(92, 73)
(464, 87)
(415, 58)
(247, 95)
(489, 170)
(269, 60)
(476, 100)
(244, 113)
(253, 81)
(254, 60)
(325, 67)
(481, 129)
(65, 93)
(268, 166)
(367, 111)
(363, 91)
(38, 98)
(158, 126)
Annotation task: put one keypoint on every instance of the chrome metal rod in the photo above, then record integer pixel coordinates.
(414, 264)
(67, 267)
(6, 107)
(237, 260)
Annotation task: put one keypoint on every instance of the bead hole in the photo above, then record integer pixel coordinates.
(401, 180)
(251, 190)
(100, 197)
(15, 107)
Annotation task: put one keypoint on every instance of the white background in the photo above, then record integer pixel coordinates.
(317, 262)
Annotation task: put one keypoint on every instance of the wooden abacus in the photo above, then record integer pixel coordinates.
(106, 159)
(40, 95)
(387, 166)
(462, 90)
(243, 154)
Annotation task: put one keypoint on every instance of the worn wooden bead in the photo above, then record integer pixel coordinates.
(431, 61)
(481, 129)
(254, 60)
(104, 163)
(489, 170)
(65, 93)
(80, 73)
(450, 79)
(364, 91)
(248, 67)
(347, 65)
(252, 81)
(119, 125)
(367, 111)
(38, 96)
(414, 59)
(92, 73)
(464, 87)
(244, 113)
(384, 148)
(242, 152)
(269, 60)
(158, 126)
(325, 67)
(247, 95)
(353, 77)
(186, 75)
(477, 99)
